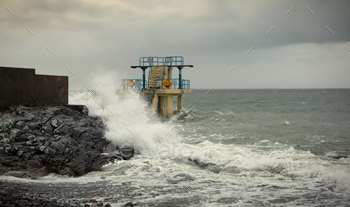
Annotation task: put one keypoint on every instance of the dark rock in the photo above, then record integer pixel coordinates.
(16, 174)
(81, 108)
(127, 153)
(13, 195)
(58, 139)
(129, 204)
(34, 164)
(3, 170)
(47, 129)
(37, 132)
(339, 157)
(14, 133)
(19, 125)
(33, 125)
(45, 119)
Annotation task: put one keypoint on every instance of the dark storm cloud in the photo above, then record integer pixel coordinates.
(218, 24)
(213, 35)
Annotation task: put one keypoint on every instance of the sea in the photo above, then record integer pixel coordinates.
(226, 147)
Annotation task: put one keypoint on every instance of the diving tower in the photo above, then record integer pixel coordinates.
(161, 87)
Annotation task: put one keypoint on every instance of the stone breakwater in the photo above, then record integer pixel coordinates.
(36, 141)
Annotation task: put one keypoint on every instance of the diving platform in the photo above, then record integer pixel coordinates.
(183, 66)
(160, 87)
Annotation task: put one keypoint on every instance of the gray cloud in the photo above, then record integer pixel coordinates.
(213, 35)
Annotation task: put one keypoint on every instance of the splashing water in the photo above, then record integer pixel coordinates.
(127, 118)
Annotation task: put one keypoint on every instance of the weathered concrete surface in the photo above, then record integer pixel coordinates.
(21, 86)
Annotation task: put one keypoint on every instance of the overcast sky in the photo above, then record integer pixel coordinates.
(93, 36)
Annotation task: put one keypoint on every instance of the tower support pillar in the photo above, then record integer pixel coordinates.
(167, 106)
(179, 102)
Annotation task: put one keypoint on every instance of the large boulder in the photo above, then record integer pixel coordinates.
(53, 139)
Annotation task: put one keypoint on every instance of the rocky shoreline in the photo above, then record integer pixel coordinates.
(13, 193)
(39, 140)
(36, 141)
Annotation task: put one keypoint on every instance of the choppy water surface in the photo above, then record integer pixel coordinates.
(234, 148)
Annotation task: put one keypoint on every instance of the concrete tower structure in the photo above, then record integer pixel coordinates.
(161, 87)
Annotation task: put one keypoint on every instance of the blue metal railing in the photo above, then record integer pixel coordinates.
(161, 61)
(137, 86)
(186, 84)
(152, 93)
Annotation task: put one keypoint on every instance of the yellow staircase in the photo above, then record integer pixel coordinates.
(156, 73)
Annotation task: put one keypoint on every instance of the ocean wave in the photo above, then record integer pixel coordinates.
(281, 160)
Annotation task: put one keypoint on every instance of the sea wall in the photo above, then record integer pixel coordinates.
(21, 86)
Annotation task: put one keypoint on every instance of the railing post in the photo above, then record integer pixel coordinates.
(144, 77)
(180, 76)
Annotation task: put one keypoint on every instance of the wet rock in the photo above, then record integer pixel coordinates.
(129, 205)
(45, 119)
(42, 140)
(13, 134)
(47, 129)
(339, 157)
(33, 125)
(81, 108)
(13, 195)
(49, 151)
(3, 169)
(55, 122)
(19, 125)
(19, 153)
(127, 153)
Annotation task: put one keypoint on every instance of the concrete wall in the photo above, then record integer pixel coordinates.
(20, 86)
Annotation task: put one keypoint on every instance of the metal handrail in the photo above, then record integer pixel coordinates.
(186, 83)
(149, 75)
(161, 61)
(174, 83)
(152, 92)
(136, 87)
